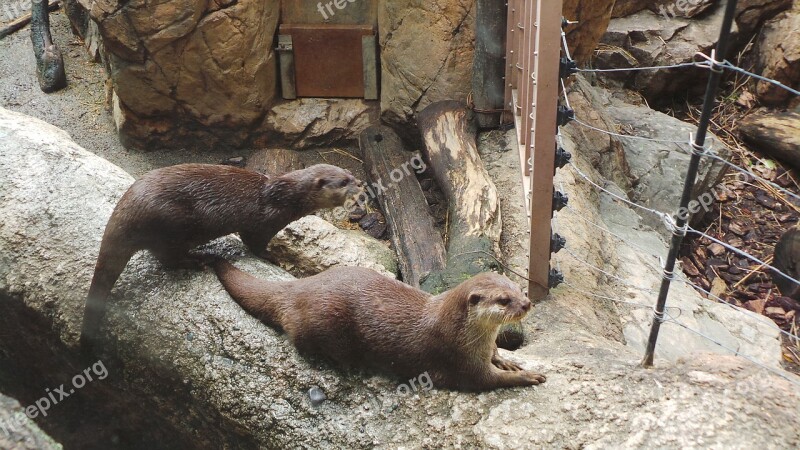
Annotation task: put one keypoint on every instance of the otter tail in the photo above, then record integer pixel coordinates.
(260, 298)
(111, 261)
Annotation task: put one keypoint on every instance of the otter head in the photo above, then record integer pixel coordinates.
(494, 300)
(331, 185)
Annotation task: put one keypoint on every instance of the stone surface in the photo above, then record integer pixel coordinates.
(426, 52)
(777, 54)
(317, 122)
(178, 339)
(624, 8)
(655, 40)
(776, 134)
(310, 245)
(593, 17)
(182, 69)
(18, 432)
(650, 173)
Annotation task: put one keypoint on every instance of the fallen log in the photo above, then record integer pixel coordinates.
(49, 62)
(274, 161)
(474, 208)
(473, 244)
(776, 134)
(391, 171)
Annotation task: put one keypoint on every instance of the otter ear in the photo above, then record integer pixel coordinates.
(319, 182)
(474, 298)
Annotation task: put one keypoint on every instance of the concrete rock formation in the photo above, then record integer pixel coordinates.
(777, 54)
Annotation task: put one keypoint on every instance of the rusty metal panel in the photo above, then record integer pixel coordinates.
(328, 59)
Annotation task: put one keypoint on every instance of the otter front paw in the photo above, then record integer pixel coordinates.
(504, 364)
(535, 378)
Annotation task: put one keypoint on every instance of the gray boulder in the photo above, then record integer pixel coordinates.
(18, 432)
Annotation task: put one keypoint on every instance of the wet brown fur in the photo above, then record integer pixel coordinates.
(357, 317)
(170, 211)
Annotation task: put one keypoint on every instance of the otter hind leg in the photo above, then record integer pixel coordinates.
(177, 258)
(257, 242)
(110, 263)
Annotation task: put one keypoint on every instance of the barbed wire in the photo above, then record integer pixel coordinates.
(741, 253)
(755, 316)
(727, 65)
(634, 69)
(668, 220)
(707, 153)
(662, 215)
(625, 282)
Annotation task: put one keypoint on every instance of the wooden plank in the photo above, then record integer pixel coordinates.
(286, 63)
(544, 140)
(412, 229)
(370, 57)
(488, 67)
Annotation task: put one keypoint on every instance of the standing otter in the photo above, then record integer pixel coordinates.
(171, 210)
(355, 316)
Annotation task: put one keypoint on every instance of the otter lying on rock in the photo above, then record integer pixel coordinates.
(357, 317)
(170, 211)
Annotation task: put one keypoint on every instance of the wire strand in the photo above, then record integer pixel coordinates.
(662, 215)
(634, 69)
(741, 253)
(626, 136)
(779, 373)
(727, 65)
(757, 317)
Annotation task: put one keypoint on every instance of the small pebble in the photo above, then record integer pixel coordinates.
(316, 396)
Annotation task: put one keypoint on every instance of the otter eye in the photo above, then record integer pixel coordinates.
(344, 183)
(474, 299)
(504, 301)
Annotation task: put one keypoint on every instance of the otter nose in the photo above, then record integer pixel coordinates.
(526, 305)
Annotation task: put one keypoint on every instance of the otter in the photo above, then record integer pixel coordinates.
(358, 317)
(786, 258)
(171, 210)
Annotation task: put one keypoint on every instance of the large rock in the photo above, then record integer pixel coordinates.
(426, 54)
(18, 431)
(650, 172)
(777, 54)
(189, 68)
(593, 17)
(189, 369)
(660, 37)
(311, 245)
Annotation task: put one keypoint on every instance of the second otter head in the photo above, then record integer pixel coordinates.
(331, 185)
(495, 300)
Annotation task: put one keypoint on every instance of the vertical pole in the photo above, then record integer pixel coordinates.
(525, 28)
(698, 146)
(543, 140)
(488, 68)
(511, 54)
